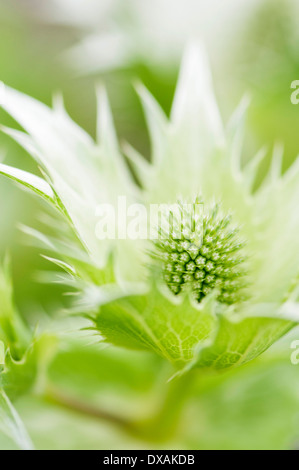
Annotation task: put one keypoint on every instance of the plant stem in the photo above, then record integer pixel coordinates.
(162, 426)
(55, 396)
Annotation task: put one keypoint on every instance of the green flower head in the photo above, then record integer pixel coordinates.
(201, 253)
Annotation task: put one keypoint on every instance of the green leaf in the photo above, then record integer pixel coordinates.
(153, 321)
(20, 376)
(239, 342)
(11, 424)
(205, 335)
(14, 333)
(21, 357)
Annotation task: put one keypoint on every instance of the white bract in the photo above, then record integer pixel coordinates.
(193, 155)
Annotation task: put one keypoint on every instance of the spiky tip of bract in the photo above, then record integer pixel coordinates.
(207, 254)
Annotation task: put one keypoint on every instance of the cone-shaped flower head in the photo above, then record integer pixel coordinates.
(201, 252)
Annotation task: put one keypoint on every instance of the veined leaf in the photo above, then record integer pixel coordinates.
(239, 342)
(153, 321)
(205, 335)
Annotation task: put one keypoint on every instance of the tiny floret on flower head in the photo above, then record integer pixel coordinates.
(204, 256)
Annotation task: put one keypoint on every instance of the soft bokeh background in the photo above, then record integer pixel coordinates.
(70, 45)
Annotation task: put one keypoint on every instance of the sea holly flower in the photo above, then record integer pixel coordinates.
(193, 310)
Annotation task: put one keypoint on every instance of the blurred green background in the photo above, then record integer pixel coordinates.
(255, 53)
(58, 45)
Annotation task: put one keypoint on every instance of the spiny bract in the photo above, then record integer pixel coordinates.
(193, 154)
(205, 254)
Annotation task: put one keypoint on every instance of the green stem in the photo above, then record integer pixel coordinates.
(58, 398)
(161, 427)
(165, 423)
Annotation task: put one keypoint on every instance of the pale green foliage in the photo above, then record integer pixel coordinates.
(152, 321)
(257, 405)
(190, 334)
(22, 358)
(11, 424)
(13, 332)
(192, 154)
